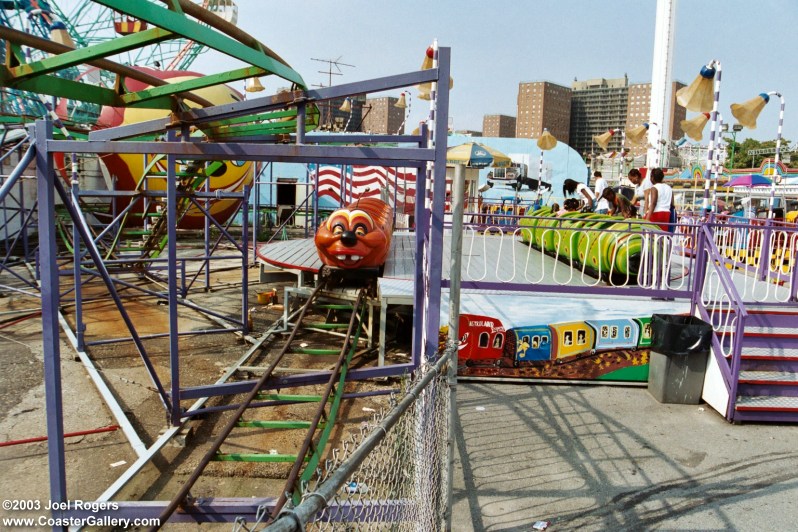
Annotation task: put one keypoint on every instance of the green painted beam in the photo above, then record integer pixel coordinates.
(276, 424)
(180, 24)
(289, 397)
(97, 51)
(328, 326)
(255, 457)
(315, 352)
(73, 90)
(266, 128)
(191, 84)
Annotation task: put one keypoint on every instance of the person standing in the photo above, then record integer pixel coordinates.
(642, 186)
(580, 190)
(659, 201)
(602, 206)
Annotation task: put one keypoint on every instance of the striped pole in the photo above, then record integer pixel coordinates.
(772, 202)
(540, 175)
(705, 207)
(715, 165)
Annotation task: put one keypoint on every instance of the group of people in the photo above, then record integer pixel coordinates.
(653, 199)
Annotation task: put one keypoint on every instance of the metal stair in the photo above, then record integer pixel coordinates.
(767, 384)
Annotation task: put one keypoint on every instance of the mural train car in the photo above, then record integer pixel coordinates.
(484, 341)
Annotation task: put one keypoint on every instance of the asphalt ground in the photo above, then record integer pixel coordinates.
(575, 457)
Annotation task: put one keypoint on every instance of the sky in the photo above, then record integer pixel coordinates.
(495, 45)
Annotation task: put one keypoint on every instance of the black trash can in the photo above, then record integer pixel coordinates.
(678, 362)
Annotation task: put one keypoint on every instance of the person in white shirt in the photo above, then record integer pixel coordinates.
(580, 190)
(642, 186)
(660, 200)
(602, 205)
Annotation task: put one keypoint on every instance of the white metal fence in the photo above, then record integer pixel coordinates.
(579, 256)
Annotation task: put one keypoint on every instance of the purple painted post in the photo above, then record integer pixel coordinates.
(45, 175)
(713, 128)
(80, 327)
(207, 238)
(420, 281)
(256, 210)
(315, 198)
(245, 261)
(174, 331)
(435, 264)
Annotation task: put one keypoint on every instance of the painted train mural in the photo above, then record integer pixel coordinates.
(604, 349)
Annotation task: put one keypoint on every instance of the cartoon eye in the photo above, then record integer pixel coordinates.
(361, 229)
(338, 228)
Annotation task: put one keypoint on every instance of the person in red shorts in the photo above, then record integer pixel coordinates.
(659, 201)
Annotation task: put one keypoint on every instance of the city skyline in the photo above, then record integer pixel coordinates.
(495, 49)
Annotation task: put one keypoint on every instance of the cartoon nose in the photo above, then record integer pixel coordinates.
(348, 238)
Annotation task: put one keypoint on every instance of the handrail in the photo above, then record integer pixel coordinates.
(722, 288)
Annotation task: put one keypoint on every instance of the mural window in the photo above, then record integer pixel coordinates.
(581, 337)
(568, 338)
(535, 342)
(627, 332)
(544, 339)
(605, 331)
(484, 340)
(498, 341)
(525, 339)
(614, 331)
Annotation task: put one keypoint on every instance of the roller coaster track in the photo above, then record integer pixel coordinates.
(319, 428)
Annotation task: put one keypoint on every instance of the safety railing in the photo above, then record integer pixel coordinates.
(561, 252)
(719, 303)
(762, 254)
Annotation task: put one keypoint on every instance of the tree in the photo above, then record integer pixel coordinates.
(741, 157)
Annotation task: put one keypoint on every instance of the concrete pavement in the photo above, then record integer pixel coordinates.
(613, 458)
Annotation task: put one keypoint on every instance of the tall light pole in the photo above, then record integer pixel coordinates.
(736, 128)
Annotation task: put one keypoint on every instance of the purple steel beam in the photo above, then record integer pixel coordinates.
(264, 404)
(290, 153)
(16, 173)
(171, 249)
(266, 103)
(45, 177)
(232, 388)
(160, 335)
(80, 327)
(565, 289)
(245, 261)
(420, 281)
(441, 118)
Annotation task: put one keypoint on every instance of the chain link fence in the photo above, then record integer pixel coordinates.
(393, 475)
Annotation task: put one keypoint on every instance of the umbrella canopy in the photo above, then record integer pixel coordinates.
(749, 180)
(476, 155)
(546, 141)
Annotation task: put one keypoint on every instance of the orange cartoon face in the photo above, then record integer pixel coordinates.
(350, 238)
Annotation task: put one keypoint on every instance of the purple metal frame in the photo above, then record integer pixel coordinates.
(107, 141)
